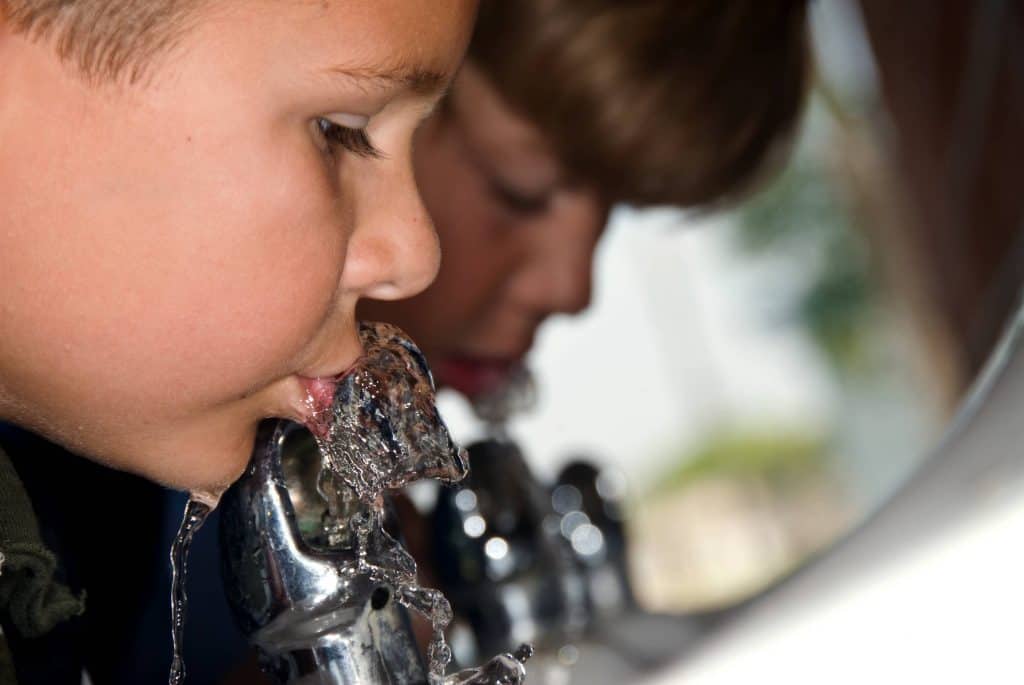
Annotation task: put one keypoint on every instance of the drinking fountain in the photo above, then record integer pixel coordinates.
(313, 617)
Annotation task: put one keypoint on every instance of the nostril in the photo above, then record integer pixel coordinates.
(380, 598)
(393, 264)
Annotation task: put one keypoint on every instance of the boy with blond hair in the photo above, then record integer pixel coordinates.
(195, 194)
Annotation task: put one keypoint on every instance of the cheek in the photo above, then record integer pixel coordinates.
(259, 274)
(210, 278)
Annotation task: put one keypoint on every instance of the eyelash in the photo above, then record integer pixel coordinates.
(354, 140)
(519, 203)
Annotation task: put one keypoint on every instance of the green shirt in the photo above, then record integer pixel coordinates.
(32, 602)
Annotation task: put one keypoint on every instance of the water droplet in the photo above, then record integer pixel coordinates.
(474, 526)
(496, 548)
(587, 540)
(566, 498)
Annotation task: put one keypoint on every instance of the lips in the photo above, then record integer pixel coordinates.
(319, 397)
(473, 376)
(320, 391)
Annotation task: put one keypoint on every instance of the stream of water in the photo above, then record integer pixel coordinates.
(195, 514)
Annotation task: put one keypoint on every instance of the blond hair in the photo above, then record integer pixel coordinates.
(104, 39)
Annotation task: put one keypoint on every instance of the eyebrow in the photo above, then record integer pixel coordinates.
(414, 79)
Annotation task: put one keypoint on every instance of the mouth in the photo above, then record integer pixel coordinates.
(377, 425)
(319, 399)
(313, 395)
(474, 376)
(320, 393)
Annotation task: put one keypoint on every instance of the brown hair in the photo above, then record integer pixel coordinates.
(105, 39)
(683, 102)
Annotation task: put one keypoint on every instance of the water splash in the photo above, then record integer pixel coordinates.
(504, 669)
(516, 394)
(381, 430)
(194, 517)
(385, 561)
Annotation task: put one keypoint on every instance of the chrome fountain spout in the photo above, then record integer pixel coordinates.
(309, 566)
(505, 569)
(298, 596)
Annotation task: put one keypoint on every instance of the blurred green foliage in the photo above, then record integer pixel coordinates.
(776, 458)
(801, 221)
(800, 218)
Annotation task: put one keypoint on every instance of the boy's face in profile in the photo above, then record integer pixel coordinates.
(518, 235)
(177, 257)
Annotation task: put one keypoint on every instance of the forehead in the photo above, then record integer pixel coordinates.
(494, 126)
(432, 34)
(364, 34)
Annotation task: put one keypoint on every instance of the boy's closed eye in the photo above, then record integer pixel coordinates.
(332, 136)
(525, 203)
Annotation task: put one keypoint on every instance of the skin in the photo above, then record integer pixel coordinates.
(518, 237)
(178, 258)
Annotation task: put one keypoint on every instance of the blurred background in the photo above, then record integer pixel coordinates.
(781, 368)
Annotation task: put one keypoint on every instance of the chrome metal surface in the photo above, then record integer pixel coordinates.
(302, 603)
(589, 503)
(522, 561)
(501, 557)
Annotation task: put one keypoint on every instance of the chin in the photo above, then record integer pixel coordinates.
(203, 456)
(203, 465)
(207, 479)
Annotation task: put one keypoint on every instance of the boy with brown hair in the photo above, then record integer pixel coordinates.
(563, 109)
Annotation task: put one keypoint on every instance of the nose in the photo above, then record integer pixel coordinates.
(568, 285)
(559, 278)
(572, 292)
(393, 252)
